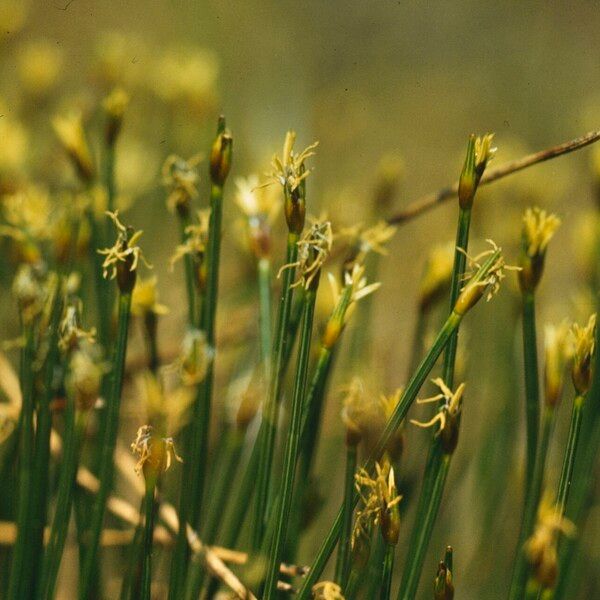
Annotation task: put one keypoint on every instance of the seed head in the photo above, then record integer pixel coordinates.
(541, 546)
(353, 411)
(327, 590)
(29, 288)
(479, 153)
(345, 298)
(122, 259)
(155, 453)
(584, 339)
(220, 154)
(196, 355)
(114, 106)
(313, 249)
(181, 179)
(70, 133)
(85, 374)
(539, 228)
(447, 415)
(144, 299)
(260, 206)
(437, 274)
(558, 351)
(71, 333)
(443, 585)
(380, 501)
(482, 279)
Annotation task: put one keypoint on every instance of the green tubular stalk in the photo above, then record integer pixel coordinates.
(194, 471)
(388, 572)
(75, 427)
(410, 393)
(566, 475)
(532, 393)
(408, 397)
(438, 463)
(292, 446)
(232, 451)
(109, 439)
(20, 583)
(521, 568)
(149, 511)
(132, 576)
(268, 428)
(342, 566)
(42, 438)
(422, 534)
(237, 507)
(372, 582)
(264, 321)
(188, 263)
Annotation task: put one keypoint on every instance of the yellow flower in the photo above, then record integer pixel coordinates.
(125, 249)
(181, 178)
(290, 170)
(39, 65)
(541, 546)
(155, 454)
(447, 415)
(558, 352)
(584, 348)
(379, 498)
(313, 249)
(327, 590)
(69, 130)
(539, 228)
(145, 298)
(484, 151)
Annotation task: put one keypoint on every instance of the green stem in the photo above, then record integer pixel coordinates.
(74, 432)
(342, 567)
(421, 535)
(566, 475)
(270, 417)
(388, 572)
(188, 262)
(149, 507)
(232, 451)
(239, 503)
(520, 572)
(264, 320)
(194, 471)
(291, 447)
(532, 393)
(436, 467)
(109, 439)
(20, 583)
(42, 438)
(408, 397)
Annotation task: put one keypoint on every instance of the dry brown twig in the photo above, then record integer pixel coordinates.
(429, 201)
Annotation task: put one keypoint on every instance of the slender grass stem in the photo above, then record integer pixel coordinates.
(292, 446)
(388, 572)
(188, 264)
(149, 511)
(521, 568)
(264, 321)
(408, 397)
(566, 475)
(422, 534)
(20, 584)
(438, 463)
(109, 438)
(532, 393)
(405, 402)
(42, 437)
(194, 471)
(268, 429)
(342, 567)
(75, 427)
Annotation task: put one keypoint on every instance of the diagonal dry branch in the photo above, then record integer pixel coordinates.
(424, 203)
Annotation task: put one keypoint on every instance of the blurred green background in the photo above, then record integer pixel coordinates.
(368, 79)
